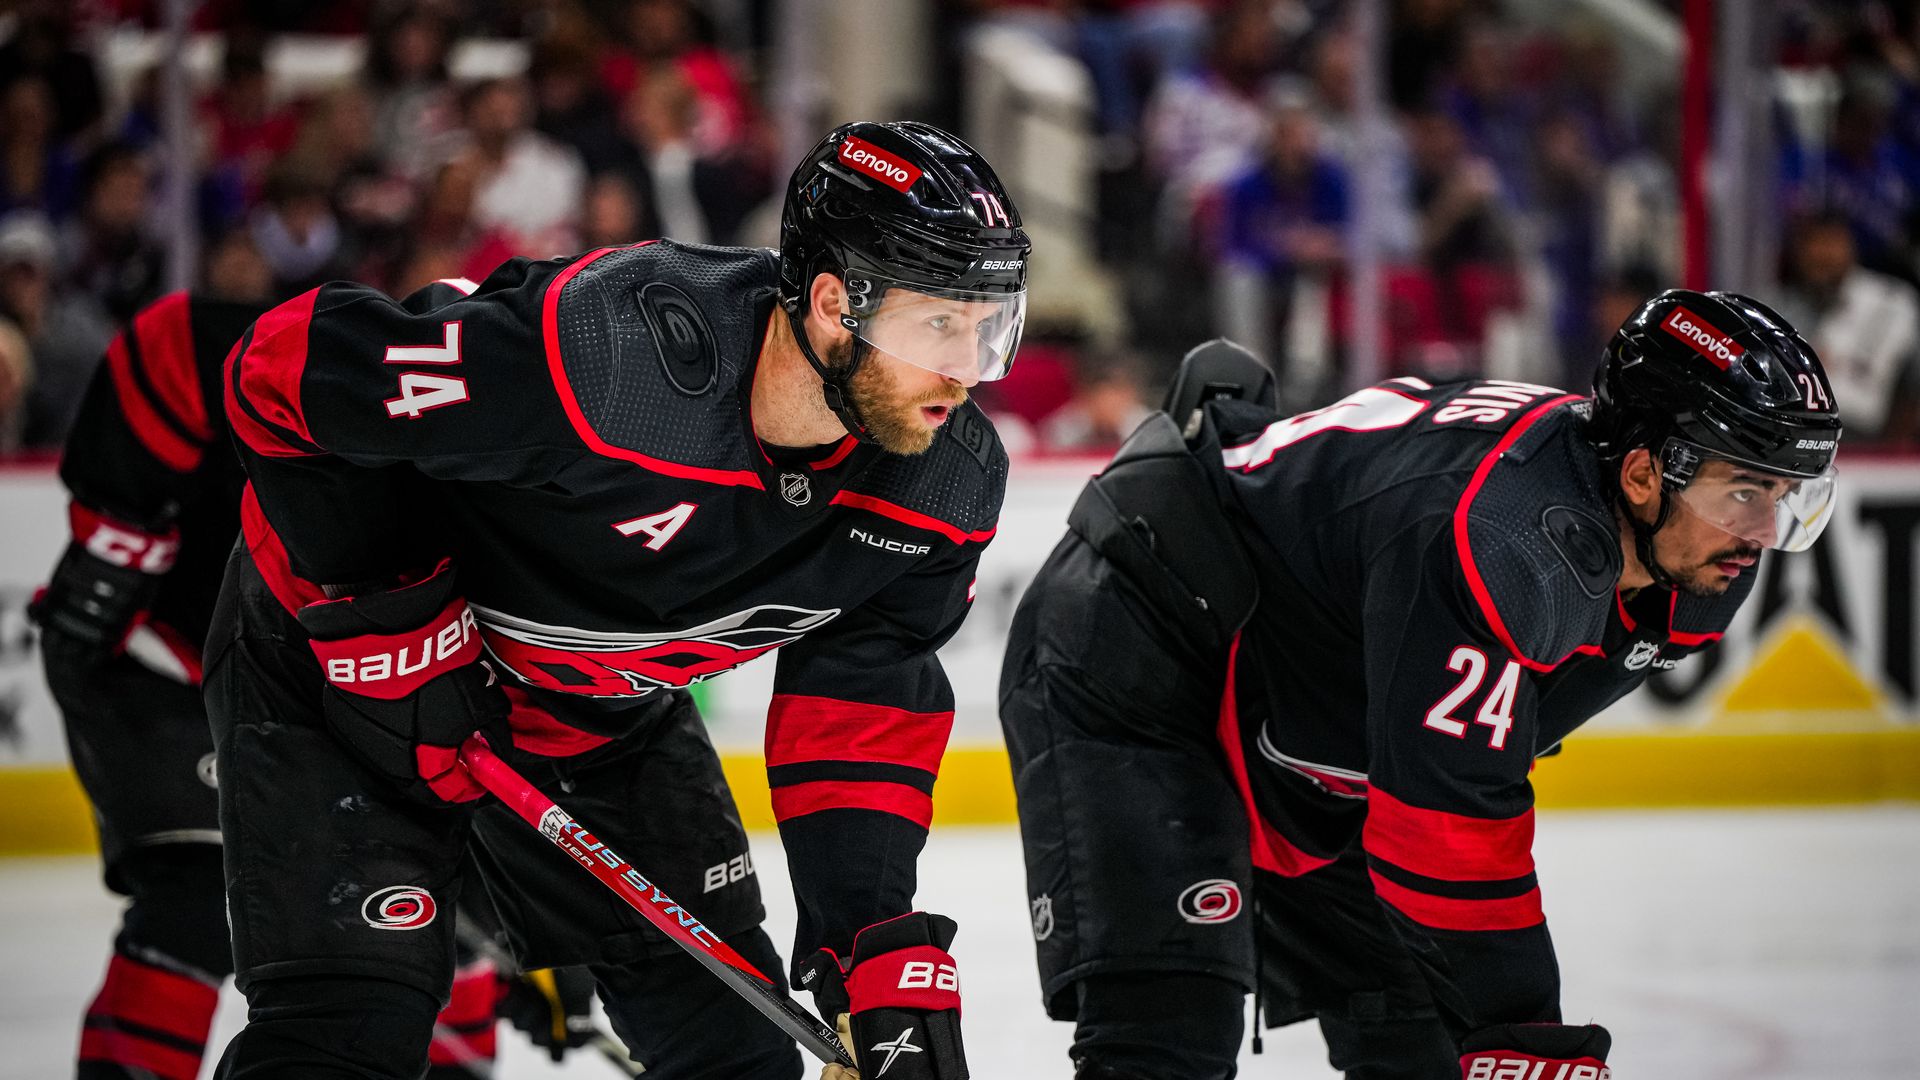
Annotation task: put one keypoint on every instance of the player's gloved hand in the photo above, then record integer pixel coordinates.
(101, 587)
(1568, 1052)
(897, 1001)
(406, 685)
(554, 1006)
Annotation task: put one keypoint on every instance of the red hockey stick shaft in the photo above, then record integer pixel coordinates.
(679, 924)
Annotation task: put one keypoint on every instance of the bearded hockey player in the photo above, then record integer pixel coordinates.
(156, 491)
(1273, 702)
(542, 510)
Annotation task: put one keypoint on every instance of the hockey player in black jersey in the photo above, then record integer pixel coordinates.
(613, 476)
(155, 512)
(1273, 701)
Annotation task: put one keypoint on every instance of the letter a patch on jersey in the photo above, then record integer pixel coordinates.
(659, 528)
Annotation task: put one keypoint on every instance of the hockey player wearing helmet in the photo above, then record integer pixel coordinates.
(589, 483)
(1320, 654)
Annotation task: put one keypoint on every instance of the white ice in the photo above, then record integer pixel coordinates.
(1716, 945)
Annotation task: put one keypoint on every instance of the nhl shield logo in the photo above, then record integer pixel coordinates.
(796, 488)
(1042, 917)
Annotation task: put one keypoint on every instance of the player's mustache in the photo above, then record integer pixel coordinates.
(1742, 551)
(939, 397)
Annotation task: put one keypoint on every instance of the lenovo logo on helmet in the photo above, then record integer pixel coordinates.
(1700, 335)
(877, 163)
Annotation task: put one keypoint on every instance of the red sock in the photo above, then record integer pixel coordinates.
(148, 1020)
(464, 1030)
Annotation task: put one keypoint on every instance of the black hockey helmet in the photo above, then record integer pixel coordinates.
(1695, 377)
(918, 226)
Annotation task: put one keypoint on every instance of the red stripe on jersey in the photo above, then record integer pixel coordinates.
(1448, 913)
(1683, 637)
(799, 800)
(165, 332)
(268, 376)
(151, 1058)
(1448, 847)
(910, 517)
(839, 454)
(1272, 852)
(270, 557)
(550, 334)
(161, 440)
(1465, 547)
(157, 999)
(801, 728)
(538, 731)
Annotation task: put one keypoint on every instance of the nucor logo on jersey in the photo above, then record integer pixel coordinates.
(877, 163)
(1705, 340)
(1493, 1068)
(888, 543)
(444, 644)
(627, 664)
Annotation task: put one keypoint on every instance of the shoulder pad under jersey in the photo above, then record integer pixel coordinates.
(1533, 534)
(652, 341)
(958, 483)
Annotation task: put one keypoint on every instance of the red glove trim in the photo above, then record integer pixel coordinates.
(391, 666)
(1501, 1064)
(120, 544)
(918, 977)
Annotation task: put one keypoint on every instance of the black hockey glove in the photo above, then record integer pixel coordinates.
(101, 587)
(1568, 1052)
(406, 685)
(553, 1006)
(899, 998)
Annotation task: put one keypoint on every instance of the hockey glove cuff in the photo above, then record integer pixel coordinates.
(406, 685)
(1569, 1052)
(903, 993)
(101, 587)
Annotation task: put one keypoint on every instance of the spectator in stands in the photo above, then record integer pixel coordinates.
(1482, 98)
(1330, 65)
(1107, 404)
(105, 251)
(36, 171)
(296, 232)
(525, 185)
(613, 215)
(683, 193)
(16, 376)
(372, 204)
(1865, 326)
(1640, 204)
(670, 32)
(1131, 45)
(1568, 186)
(1281, 222)
(570, 104)
(42, 45)
(236, 270)
(1456, 193)
(415, 113)
(1869, 176)
(247, 130)
(65, 333)
(1205, 125)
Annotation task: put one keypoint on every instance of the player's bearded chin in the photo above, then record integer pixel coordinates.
(891, 418)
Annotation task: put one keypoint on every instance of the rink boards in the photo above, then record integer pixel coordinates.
(1811, 697)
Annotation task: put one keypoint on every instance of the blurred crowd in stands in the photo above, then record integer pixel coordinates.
(1530, 196)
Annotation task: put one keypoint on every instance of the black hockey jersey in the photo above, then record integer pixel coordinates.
(1437, 571)
(575, 434)
(150, 449)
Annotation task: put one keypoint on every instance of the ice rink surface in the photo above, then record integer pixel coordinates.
(1716, 945)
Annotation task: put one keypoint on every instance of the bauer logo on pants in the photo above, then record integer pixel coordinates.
(398, 907)
(1215, 900)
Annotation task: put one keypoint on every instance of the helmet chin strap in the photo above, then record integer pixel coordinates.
(1643, 538)
(836, 384)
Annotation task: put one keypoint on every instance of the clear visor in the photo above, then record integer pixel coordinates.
(969, 337)
(1787, 513)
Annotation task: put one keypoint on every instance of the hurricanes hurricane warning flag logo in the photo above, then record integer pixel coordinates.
(597, 663)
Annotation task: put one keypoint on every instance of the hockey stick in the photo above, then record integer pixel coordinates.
(644, 896)
(608, 1047)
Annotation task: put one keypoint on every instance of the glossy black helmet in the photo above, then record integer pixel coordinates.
(1695, 377)
(905, 208)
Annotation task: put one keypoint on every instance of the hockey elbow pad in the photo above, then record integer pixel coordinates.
(101, 587)
(406, 685)
(1549, 1051)
(903, 993)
